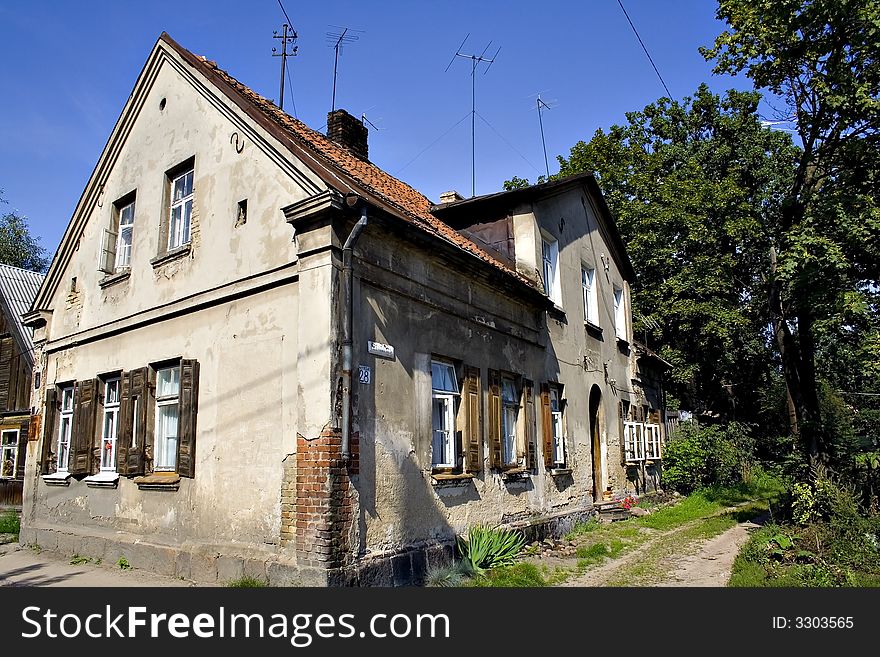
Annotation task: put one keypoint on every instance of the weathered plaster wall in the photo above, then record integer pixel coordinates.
(193, 123)
(246, 424)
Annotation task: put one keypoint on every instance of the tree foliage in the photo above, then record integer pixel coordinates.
(820, 57)
(17, 246)
(692, 185)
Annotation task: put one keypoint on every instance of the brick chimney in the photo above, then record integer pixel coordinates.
(348, 132)
(451, 197)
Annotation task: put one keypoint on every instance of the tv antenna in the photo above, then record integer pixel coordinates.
(542, 106)
(288, 36)
(476, 60)
(338, 39)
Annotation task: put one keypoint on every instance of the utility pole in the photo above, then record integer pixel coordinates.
(288, 36)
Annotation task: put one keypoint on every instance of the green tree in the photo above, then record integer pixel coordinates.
(821, 58)
(17, 246)
(692, 185)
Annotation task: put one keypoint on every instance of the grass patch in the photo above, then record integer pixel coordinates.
(76, 560)
(10, 523)
(589, 555)
(123, 564)
(693, 507)
(581, 528)
(246, 583)
(518, 575)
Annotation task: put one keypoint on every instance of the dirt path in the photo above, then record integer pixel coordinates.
(672, 559)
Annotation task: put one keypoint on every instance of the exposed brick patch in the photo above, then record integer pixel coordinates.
(323, 502)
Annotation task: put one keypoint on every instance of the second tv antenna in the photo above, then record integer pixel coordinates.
(338, 38)
(476, 60)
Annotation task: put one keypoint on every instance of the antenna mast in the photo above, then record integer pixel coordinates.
(542, 104)
(286, 38)
(475, 61)
(338, 39)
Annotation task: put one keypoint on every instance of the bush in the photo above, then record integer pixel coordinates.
(487, 547)
(701, 456)
(9, 523)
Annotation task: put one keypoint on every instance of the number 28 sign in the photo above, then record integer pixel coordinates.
(364, 374)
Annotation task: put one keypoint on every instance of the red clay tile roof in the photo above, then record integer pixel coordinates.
(410, 205)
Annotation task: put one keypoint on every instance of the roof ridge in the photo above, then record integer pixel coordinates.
(414, 206)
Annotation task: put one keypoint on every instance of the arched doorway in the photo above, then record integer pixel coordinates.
(597, 420)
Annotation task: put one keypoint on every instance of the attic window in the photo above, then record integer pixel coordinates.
(73, 284)
(161, 104)
(241, 214)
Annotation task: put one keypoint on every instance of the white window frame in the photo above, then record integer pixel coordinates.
(179, 232)
(5, 447)
(110, 423)
(620, 313)
(166, 457)
(550, 268)
(445, 456)
(642, 441)
(591, 296)
(509, 420)
(65, 428)
(123, 247)
(558, 427)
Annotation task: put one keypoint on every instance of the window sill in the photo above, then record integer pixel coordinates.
(451, 478)
(57, 479)
(556, 311)
(169, 482)
(102, 480)
(173, 254)
(592, 328)
(118, 277)
(515, 473)
(559, 472)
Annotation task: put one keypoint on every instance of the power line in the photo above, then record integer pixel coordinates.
(512, 147)
(644, 48)
(289, 22)
(421, 152)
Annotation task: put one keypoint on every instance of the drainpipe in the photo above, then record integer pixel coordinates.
(347, 313)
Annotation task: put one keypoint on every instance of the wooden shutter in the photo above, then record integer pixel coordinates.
(83, 438)
(49, 431)
(107, 254)
(189, 409)
(495, 458)
(531, 429)
(473, 432)
(22, 449)
(547, 425)
(131, 437)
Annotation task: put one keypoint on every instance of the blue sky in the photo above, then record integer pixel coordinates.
(68, 68)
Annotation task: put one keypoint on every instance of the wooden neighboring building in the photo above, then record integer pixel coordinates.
(18, 287)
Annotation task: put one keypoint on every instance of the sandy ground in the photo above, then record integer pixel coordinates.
(26, 567)
(702, 563)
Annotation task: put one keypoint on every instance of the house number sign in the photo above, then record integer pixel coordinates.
(364, 374)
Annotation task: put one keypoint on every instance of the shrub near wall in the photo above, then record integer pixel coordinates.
(699, 456)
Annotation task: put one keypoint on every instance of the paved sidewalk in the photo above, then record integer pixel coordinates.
(21, 566)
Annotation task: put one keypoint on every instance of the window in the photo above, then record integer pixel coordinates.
(444, 387)
(591, 300)
(180, 216)
(110, 425)
(619, 314)
(550, 257)
(65, 425)
(509, 412)
(241, 213)
(641, 434)
(556, 421)
(126, 230)
(167, 416)
(115, 255)
(8, 452)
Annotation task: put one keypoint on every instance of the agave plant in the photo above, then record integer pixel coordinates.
(489, 547)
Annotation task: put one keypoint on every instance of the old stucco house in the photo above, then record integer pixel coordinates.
(261, 354)
(18, 287)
